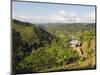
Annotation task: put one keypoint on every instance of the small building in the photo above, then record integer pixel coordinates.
(76, 45)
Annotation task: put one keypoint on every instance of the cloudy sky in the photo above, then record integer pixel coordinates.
(52, 13)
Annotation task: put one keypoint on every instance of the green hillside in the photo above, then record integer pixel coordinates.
(44, 48)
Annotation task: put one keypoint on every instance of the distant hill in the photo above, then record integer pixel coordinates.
(69, 27)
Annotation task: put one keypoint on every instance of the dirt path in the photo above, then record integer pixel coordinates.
(89, 54)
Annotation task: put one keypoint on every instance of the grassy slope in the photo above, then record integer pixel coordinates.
(31, 34)
(88, 46)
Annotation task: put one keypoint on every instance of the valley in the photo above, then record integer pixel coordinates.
(46, 48)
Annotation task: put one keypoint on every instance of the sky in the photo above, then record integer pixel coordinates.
(52, 13)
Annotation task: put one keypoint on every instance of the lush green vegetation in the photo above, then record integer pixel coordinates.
(44, 48)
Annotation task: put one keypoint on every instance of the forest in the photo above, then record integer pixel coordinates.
(45, 47)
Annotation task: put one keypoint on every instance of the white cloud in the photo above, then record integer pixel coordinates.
(23, 18)
(62, 13)
(90, 17)
(62, 16)
(59, 17)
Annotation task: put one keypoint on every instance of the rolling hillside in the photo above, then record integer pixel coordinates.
(44, 48)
